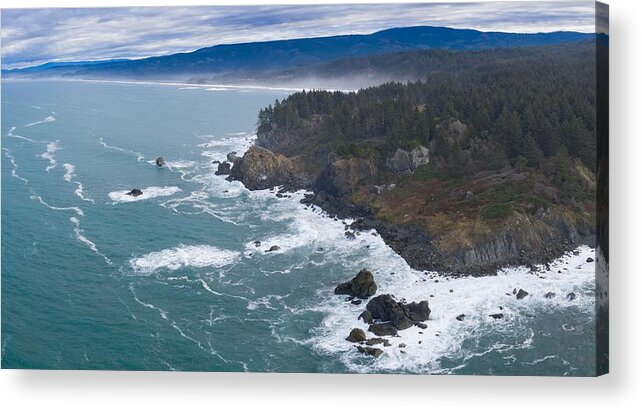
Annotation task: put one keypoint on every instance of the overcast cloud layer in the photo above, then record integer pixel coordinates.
(34, 36)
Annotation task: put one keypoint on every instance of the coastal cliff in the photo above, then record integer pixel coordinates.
(464, 173)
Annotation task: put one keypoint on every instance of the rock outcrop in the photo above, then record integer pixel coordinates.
(408, 161)
(160, 161)
(371, 351)
(521, 294)
(224, 168)
(396, 314)
(260, 168)
(344, 176)
(356, 335)
(135, 192)
(361, 286)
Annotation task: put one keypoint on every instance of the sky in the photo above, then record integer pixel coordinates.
(35, 36)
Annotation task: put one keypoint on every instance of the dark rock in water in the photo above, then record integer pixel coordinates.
(521, 294)
(273, 248)
(224, 168)
(418, 312)
(356, 335)
(589, 260)
(497, 315)
(421, 325)
(549, 295)
(461, 317)
(576, 253)
(571, 296)
(377, 341)
(401, 315)
(356, 301)
(135, 192)
(160, 161)
(383, 329)
(372, 351)
(350, 235)
(216, 161)
(366, 316)
(361, 286)
(385, 308)
(514, 291)
(257, 243)
(402, 345)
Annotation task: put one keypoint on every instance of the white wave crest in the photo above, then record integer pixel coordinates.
(14, 166)
(197, 256)
(83, 239)
(139, 157)
(70, 174)
(50, 118)
(76, 209)
(148, 193)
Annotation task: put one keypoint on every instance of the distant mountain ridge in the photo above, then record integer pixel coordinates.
(292, 53)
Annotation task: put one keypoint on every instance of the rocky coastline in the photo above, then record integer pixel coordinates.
(523, 240)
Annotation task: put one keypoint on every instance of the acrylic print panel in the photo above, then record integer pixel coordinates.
(390, 188)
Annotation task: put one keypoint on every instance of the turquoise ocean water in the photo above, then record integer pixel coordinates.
(92, 279)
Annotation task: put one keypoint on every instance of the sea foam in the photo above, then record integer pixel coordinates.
(48, 155)
(197, 256)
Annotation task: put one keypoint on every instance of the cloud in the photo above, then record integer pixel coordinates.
(33, 36)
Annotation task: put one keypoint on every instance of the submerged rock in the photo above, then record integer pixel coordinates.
(273, 248)
(497, 315)
(356, 335)
(160, 161)
(361, 286)
(571, 296)
(461, 317)
(135, 192)
(377, 341)
(371, 351)
(383, 329)
(549, 295)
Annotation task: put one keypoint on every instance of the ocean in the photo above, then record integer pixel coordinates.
(172, 280)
